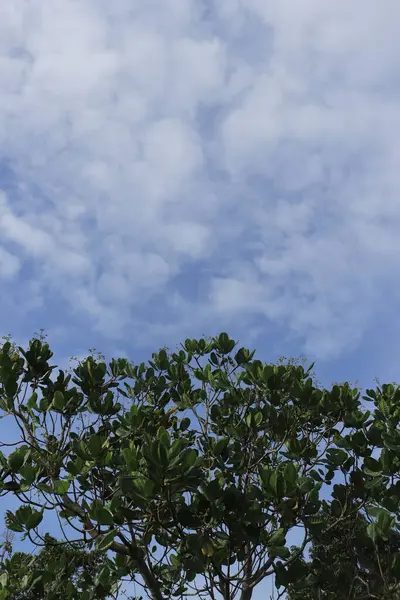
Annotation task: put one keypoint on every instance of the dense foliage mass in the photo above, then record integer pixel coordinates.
(57, 565)
(190, 472)
(345, 562)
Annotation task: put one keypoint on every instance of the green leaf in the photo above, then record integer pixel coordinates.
(43, 404)
(184, 424)
(70, 590)
(207, 373)
(130, 459)
(336, 456)
(376, 483)
(212, 490)
(58, 400)
(215, 412)
(61, 486)
(373, 511)
(35, 518)
(310, 508)
(384, 407)
(28, 473)
(372, 466)
(32, 401)
(273, 481)
(278, 538)
(372, 531)
(13, 523)
(105, 541)
(11, 388)
(243, 356)
(198, 373)
(306, 484)
(336, 508)
(123, 432)
(258, 418)
(44, 487)
(281, 575)
(104, 516)
(189, 459)
(290, 473)
(385, 522)
(144, 487)
(163, 437)
(225, 344)
(75, 467)
(391, 441)
(94, 444)
(278, 551)
(128, 488)
(163, 457)
(11, 486)
(16, 460)
(220, 446)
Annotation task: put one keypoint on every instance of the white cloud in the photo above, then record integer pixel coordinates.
(250, 146)
(9, 264)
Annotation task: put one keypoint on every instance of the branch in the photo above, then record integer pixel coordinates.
(128, 549)
(264, 570)
(247, 591)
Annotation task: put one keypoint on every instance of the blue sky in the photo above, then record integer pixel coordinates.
(178, 167)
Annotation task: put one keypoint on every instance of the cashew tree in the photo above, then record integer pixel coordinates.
(191, 471)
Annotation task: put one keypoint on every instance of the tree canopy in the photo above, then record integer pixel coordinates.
(26, 576)
(191, 471)
(345, 562)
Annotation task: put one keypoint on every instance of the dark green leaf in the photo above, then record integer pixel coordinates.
(94, 444)
(58, 400)
(278, 538)
(278, 551)
(290, 473)
(372, 466)
(189, 459)
(35, 518)
(105, 541)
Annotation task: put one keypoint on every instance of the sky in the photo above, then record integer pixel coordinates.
(174, 168)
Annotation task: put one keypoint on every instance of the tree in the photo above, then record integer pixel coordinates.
(347, 564)
(192, 470)
(25, 576)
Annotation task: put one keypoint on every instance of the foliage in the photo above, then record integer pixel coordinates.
(194, 468)
(25, 576)
(347, 564)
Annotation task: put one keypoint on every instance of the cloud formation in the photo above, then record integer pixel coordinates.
(176, 165)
